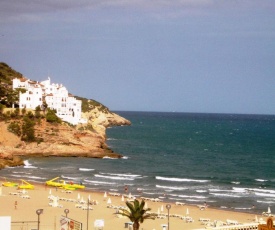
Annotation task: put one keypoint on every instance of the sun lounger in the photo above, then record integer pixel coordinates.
(180, 203)
(202, 207)
(85, 207)
(25, 196)
(14, 193)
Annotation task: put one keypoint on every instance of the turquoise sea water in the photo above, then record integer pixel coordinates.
(224, 160)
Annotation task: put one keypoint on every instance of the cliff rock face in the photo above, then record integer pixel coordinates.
(62, 140)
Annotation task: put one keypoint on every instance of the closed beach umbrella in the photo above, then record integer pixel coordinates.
(50, 192)
(268, 210)
(146, 205)
(187, 212)
(256, 219)
(109, 201)
(78, 196)
(130, 195)
(161, 208)
(105, 195)
(122, 198)
(55, 201)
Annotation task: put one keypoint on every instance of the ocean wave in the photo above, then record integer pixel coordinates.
(27, 165)
(112, 158)
(69, 178)
(171, 187)
(122, 174)
(262, 190)
(235, 182)
(21, 173)
(192, 200)
(99, 182)
(197, 197)
(85, 169)
(180, 179)
(125, 157)
(36, 177)
(114, 177)
(226, 195)
(264, 194)
(111, 139)
(261, 180)
(218, 190)
(265, 201)
(240, 208)
(201, 191)
(240, 190)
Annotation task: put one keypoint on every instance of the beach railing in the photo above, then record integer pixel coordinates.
(247, 226)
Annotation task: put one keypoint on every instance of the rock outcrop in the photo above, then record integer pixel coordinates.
(62, 140)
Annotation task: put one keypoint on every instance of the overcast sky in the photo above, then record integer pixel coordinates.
(214, 56)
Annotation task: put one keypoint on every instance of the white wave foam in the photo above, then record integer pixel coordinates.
(201, 191)
(98, 182)
(171, 187)
(265, 201)
(240, 190)
(125, 157)
(235, 182)
(262, 190)
(264, 194)
(111, 139)
(27, 165)
(70, 178)
(197, 197)
(112, 158)
(218, 190)
(226, 195)
(85, 169)
(36, 177)
(240, 208)
(123, 175)
(261, 180)
(180, 179)
(114, 177)
(192, 200)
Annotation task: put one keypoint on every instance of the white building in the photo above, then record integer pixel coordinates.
(57, 97)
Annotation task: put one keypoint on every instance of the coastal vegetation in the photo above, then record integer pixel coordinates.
(40, 132)
(137, 213)
(23, 123)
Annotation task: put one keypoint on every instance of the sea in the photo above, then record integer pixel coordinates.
(224, 160)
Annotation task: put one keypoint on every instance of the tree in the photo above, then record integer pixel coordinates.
(28, 133)
(52, 117)
(136, 213)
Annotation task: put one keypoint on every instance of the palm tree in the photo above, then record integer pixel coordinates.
(136, 213)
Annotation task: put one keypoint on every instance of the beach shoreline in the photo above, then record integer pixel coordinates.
(26, 210)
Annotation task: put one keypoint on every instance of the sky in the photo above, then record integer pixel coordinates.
(207, 56)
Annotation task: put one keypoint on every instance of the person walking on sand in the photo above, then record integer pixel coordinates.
(15, 205)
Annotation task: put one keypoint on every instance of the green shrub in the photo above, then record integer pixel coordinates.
(52, 117)
(14, 127)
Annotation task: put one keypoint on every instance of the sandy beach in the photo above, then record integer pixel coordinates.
(25, 211)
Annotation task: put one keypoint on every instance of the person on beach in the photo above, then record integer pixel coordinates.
(15, 205)
(126, 189)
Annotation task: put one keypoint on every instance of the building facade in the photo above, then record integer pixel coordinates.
(57, 97)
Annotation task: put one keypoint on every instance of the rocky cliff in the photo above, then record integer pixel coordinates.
(87, 140)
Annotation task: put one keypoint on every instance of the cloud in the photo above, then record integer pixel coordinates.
(18, 9)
